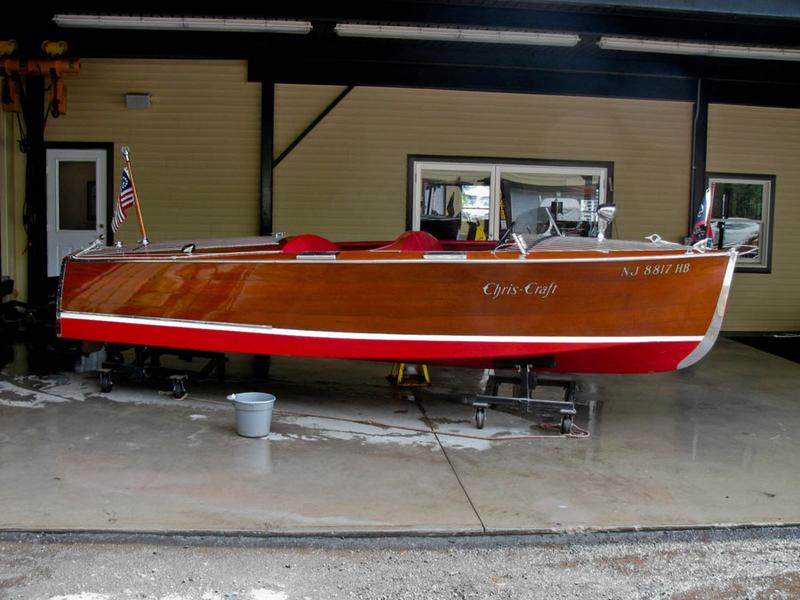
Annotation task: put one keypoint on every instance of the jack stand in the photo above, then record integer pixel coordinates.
(407, 375)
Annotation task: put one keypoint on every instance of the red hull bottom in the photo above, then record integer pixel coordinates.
(574, 357)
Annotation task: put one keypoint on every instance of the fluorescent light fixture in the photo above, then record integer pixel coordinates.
(182, 23)
(451, 34)
(697, 49)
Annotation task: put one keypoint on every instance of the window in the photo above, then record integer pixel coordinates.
(480, 199)
(741, 215)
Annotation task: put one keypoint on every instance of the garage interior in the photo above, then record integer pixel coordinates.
(317, 132)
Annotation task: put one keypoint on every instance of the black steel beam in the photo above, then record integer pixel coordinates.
(34, 212)
(267, 132)
(586, 57)
(486, 79)
(312, 125)
(295, 50)
(762, 8)
(779, 95)
(699, 152)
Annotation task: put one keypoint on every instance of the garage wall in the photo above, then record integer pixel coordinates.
(347, 179)
(758, 140)
(196, 151)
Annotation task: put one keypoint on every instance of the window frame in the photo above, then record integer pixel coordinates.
(496, 166)
(767, 219)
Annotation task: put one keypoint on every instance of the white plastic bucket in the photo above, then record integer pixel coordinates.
(253, 413)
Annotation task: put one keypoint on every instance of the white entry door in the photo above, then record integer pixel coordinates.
(76, 202)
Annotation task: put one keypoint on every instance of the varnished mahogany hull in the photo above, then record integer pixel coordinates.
(613, 313)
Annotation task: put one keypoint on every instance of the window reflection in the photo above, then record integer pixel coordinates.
(479, 200)
(456, 204)
(737, 216)
(571, 200)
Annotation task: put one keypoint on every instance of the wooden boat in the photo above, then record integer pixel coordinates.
(560, 304)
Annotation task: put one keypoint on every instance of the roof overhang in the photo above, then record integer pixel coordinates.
(657, 48)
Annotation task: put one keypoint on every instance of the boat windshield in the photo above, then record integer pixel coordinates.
(538, 221)
(532, 225)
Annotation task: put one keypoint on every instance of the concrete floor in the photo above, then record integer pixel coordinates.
(713, 445)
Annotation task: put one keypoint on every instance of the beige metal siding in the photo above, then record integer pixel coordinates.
(759, 140)
(348, 178)
(196, 151)
(12, 199)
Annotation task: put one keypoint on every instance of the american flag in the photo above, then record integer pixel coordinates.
(124, 202)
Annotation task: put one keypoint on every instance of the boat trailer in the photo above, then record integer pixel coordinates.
(525, 380)
(146, 365)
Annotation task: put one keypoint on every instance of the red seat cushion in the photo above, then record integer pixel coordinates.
(414, 241)
(308, 243)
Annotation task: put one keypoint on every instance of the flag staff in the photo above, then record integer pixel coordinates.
(126, 153)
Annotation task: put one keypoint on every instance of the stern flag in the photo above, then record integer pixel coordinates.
(124, 202)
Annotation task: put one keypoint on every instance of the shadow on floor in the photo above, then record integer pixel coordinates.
(785, 345)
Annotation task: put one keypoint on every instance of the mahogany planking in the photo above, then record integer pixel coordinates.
(483, 295)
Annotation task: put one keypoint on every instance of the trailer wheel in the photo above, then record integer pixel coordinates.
(178, 386)
(106, 385)
(566, 424)
(480, 417)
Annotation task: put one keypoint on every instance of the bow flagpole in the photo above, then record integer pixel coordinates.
(134, 196)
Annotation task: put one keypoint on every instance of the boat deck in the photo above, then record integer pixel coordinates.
(410, 245)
